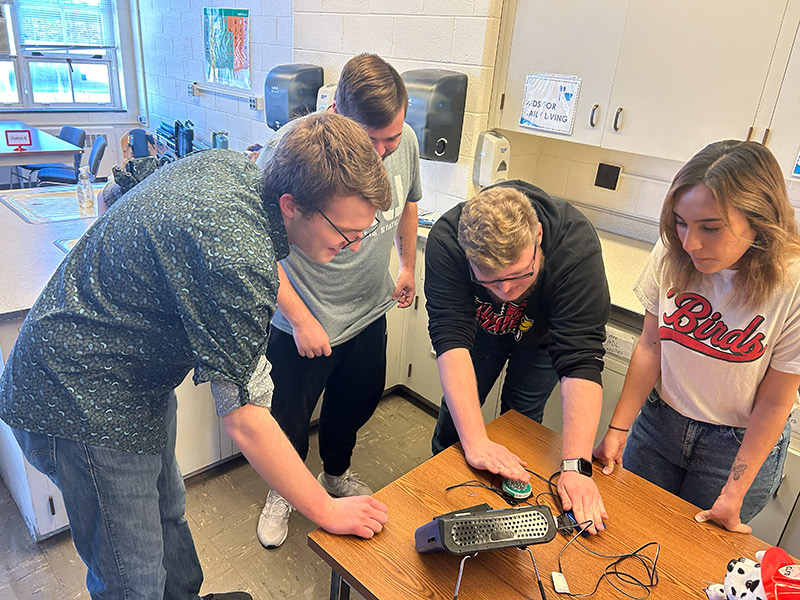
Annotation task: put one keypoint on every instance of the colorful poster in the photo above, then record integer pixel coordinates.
(227, 46)
(549, 102)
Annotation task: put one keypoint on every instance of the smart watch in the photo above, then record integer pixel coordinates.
(581, 465)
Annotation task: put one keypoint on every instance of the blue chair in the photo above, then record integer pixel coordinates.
(65, 174)
(71, 135)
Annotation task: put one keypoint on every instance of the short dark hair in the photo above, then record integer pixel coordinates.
(370, 91)
(325, 155)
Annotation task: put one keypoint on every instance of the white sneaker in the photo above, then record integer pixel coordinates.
(273, 524)
(347, 484)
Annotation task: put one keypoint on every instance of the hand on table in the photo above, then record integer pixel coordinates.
(356, 515)
(580, 494)
(496, 458)
(725, 512)
(311, 340)
(609, 450)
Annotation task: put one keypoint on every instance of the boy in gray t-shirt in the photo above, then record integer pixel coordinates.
(329, 332)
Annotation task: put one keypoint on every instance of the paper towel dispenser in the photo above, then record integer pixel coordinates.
(290, 91)
(436, 101)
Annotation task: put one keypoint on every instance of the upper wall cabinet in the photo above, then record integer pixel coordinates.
(782, 114)
(658, 78)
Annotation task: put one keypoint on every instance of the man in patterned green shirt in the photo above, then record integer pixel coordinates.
(180, 274)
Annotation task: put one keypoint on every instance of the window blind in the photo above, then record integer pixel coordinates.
(63, 23)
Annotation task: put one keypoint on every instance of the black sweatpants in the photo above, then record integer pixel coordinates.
(353, 377)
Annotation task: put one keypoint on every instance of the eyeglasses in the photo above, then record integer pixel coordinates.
(504, 279)
(370, 230)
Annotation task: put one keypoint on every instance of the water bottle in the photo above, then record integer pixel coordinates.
(85, 192)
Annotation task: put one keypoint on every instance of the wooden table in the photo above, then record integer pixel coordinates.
(44, 148)
(388, 566)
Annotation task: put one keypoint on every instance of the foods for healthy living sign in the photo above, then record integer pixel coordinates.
(549, 102)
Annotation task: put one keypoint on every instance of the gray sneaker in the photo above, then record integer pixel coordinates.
(347, 484)
(273, 524)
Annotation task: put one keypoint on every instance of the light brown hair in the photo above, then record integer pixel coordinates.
(325, 155)
(370, 91)
(496, 226)
(744, 176)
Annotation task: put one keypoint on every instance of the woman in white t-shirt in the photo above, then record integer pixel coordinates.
(717, 368)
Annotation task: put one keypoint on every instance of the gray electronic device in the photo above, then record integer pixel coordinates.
(492, 159)
(479, 528)
(290, 91)
(436, 101)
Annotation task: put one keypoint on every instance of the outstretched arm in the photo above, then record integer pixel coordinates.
(461, 394)
(774, 400)
(261, 440)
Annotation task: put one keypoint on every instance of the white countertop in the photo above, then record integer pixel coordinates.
(30, 255)
(624, 260)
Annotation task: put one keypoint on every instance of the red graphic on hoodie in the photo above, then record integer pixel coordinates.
(697, 326)
(509, 319)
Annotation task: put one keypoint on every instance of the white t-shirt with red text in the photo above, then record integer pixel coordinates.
(715, 350)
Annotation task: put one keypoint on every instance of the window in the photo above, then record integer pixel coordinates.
(58, 54)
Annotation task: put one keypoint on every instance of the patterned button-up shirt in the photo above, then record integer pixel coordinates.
(179, 274)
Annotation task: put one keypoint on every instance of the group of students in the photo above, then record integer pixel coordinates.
(237, 270)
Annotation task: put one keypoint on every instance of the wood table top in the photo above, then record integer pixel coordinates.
(388, 567)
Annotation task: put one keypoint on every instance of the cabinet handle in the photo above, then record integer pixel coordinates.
(592, 115)
(749, 134)
(766, 136)
(616, 118)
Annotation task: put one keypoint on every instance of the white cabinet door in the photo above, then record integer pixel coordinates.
(197, 443)
(770, 523)
(690, 73)
(784, 122)
(569, 37)
(422, 374)
(680, 74)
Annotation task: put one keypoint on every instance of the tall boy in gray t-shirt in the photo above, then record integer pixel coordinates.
(330, 329)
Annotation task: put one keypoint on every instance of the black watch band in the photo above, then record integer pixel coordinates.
(581, 465)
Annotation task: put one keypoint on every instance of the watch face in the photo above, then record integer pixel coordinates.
(581, 465)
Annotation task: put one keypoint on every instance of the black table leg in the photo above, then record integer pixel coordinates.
(339, 588)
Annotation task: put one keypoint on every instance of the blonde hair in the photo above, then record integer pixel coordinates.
(325, 155)
(744, 176)
(496, 226)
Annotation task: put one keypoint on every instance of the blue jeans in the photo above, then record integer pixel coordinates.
(530, 379)
(693, 459)
(126, 512)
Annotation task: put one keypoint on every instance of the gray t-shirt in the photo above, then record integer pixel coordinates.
(355, 288)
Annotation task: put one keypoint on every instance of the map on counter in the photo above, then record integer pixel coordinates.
(227, 46)
(46, 205)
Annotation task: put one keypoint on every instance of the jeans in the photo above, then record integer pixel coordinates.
(126, 513)
(693, 459)
(530, 379)
(353, 378)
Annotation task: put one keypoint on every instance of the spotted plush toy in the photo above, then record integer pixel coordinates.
(742, 581)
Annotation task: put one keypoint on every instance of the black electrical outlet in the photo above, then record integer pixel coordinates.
(607, 176)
